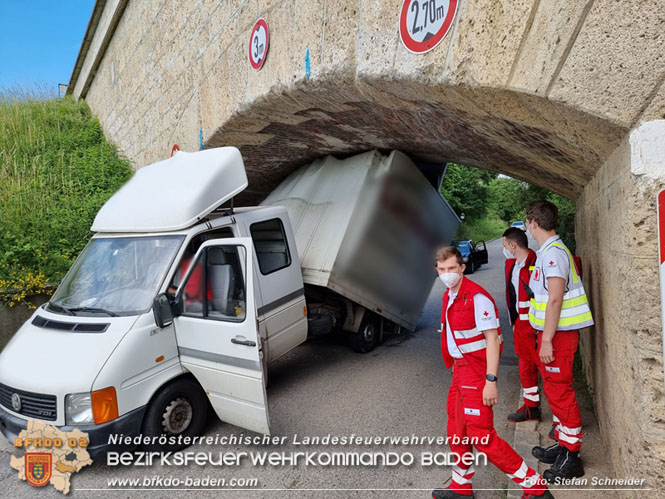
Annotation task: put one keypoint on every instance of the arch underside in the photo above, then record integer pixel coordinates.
(521, 135)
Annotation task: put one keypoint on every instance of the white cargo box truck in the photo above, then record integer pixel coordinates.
(177, 304)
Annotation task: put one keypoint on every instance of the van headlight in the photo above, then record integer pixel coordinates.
(78, 409)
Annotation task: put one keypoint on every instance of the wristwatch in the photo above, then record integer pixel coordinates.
(491, 377)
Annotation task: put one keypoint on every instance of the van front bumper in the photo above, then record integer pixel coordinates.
(128, 425)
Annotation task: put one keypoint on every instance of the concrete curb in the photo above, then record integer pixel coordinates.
(525, 438)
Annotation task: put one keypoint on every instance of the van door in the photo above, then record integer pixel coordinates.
(217, 332)
(282, 312)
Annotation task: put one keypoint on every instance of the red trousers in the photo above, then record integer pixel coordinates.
(558, 387)
(524, 337)
(469, 417)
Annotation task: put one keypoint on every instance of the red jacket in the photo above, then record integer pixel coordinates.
(462, 319)
(521, 312)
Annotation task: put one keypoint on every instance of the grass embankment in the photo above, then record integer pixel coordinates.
(483, 229)
(56, 171)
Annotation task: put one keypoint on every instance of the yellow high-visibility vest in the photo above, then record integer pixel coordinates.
(575, 311)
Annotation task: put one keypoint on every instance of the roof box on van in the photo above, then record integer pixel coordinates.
(175, 193)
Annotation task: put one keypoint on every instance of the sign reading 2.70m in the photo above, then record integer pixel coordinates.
(424, 23)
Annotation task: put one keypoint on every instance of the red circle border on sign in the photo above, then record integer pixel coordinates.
(260, 22)
(423, 47)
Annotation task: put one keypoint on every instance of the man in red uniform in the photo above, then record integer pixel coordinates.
(471, 342)
(519, 264)
(559, 308)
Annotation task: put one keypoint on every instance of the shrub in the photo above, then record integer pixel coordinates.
(56, 171)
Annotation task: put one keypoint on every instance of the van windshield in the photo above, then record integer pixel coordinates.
(116, 276)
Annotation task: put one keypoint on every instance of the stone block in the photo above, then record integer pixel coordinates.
(544, 43)
(340, 30)
(378, 37)
(278, 65)
(607, 76)
(656, 108)
(307, 24)
(485, 41)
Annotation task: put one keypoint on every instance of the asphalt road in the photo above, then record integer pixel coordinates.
(322, 388)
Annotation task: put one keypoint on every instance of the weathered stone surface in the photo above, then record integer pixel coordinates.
(340, 30)
(378, 38)
(307, 21)
(619, 255)
(544, 43)
(485, 41)
(603, 74)
(656, 108)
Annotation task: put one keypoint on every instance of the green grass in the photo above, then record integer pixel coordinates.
(56, 171)
(483, 229)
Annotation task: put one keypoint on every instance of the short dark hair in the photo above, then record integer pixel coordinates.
(442, 254)
(518, 236)
(544, 213)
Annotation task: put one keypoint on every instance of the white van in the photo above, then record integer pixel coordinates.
(174, 303)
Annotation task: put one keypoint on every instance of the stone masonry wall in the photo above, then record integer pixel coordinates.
(623, 354)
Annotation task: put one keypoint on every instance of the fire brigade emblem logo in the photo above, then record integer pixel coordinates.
(38, 468)
(49, 456)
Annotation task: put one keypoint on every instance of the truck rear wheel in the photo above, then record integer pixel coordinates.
(367, 337)
(180, 408)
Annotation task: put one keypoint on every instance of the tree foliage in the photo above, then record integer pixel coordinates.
(465, 188)
(483, 195)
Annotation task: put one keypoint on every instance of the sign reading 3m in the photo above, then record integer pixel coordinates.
(424, 23)
(258, 44)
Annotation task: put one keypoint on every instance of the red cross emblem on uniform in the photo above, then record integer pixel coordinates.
(551, 262)
(486, 313)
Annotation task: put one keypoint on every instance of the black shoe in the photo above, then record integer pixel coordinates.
(525, 413)
(546, 495)
(547, 455)
(551, 434)
(568, 465)
(449, 494)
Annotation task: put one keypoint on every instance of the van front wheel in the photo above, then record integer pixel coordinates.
(180, 408)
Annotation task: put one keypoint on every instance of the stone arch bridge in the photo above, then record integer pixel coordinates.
(568, 95)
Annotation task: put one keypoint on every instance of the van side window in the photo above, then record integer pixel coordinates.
(193, 294)
(215, 289)
(192, 248)
(272, 251)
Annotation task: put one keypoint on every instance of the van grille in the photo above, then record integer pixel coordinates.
(34, 405)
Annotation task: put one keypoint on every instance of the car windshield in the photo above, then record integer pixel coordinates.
(116, 276)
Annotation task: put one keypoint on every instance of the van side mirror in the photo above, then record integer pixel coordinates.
(161, 308)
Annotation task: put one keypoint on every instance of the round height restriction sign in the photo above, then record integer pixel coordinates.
(424, 23)
(258, 44)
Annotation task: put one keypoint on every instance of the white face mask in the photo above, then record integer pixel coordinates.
(507, 254)
(528, 231)
(450, 279)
